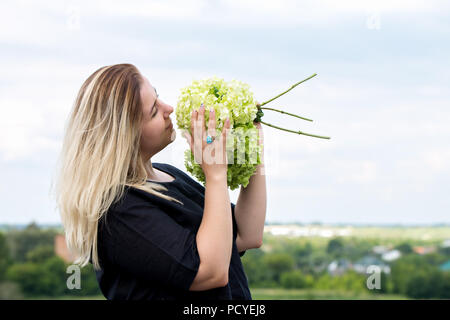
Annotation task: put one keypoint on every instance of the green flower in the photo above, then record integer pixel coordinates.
(235, 100)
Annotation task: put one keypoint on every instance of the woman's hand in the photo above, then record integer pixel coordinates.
(211, 157)
(260, 131)
(260, 138)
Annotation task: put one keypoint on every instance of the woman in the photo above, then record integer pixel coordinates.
(150, 230)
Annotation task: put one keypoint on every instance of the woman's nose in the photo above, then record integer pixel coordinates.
(169, 109)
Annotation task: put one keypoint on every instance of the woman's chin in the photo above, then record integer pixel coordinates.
(173, 135)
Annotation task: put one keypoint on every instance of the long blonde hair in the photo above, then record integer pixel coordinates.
(100, 156)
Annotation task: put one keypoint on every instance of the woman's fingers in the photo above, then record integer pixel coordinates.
(226, 127)
(193, 119)
(196, 134)
(212, 123)
(225, 132)
(197, 138)
(201, 120)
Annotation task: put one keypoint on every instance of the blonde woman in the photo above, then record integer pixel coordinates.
(150, 231)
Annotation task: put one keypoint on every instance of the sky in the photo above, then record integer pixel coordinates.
(381, 93)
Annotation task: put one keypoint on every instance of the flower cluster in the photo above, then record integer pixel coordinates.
(231, 99)
(234, 100)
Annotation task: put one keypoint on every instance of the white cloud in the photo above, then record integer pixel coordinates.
(19, 123)
(437, 160)
(173, 9)
(361, 172)
(45, 22)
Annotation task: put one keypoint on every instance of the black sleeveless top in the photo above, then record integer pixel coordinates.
(147, 248)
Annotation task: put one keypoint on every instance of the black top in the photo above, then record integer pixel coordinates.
(148, 250)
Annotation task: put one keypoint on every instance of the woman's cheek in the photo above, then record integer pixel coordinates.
(146, 136)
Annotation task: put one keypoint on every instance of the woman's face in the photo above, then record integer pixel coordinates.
(157, 131)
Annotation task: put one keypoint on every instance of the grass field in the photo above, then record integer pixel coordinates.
(279, 294)
(302, 294)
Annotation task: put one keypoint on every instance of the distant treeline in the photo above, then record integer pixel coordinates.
(30, 268)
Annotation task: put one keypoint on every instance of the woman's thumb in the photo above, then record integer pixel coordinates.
(187, 136)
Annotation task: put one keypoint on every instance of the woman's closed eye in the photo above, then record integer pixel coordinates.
(156, 109)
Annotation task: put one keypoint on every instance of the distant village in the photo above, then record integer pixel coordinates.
(380, 256)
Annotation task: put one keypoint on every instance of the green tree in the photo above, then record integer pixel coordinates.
(445, 286)
(302, 255)
(256, 269)
(37, 270)
(40, 254)
(21, 242)
(53, 281)
(425, 285)
(49, 278)
(323, 282)
(349, 281)
(317, 262)
(404, 248)
(296, 279)
(335, 247)
(435, 259)
(354, 249)
(277, 263)
(444, 251)
(89, 281)
(5, 259)
(405, 268)
(352, 281)
(27, 276)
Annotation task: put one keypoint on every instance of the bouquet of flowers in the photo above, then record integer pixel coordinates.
(235, 101)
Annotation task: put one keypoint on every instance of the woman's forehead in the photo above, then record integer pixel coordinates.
(148, 93)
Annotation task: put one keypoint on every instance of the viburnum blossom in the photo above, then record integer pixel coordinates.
(235, 100)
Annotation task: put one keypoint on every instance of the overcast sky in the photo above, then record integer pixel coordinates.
(382, 93)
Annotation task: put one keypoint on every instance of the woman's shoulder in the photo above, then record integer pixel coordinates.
(131, 198)
(177, 172)
(169, 168)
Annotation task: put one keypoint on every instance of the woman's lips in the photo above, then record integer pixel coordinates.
(170, 126)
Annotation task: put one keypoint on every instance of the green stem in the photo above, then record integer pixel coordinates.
(298, 132)
(281, 111)
(315, 74)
